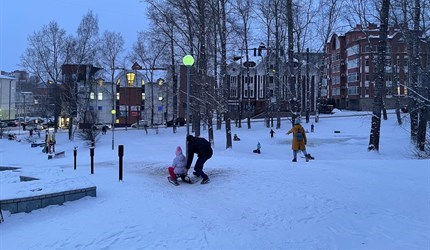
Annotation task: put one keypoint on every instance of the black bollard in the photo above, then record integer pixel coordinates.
(75, 153)
(120, 155)
(92, 159)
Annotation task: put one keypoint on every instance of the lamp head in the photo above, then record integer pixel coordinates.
(188, 60)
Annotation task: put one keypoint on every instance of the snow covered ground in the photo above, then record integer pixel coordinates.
(347, 198)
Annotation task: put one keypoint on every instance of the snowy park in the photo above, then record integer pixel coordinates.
(347, 198)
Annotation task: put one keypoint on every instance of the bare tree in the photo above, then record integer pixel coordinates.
(224, 86)
(243, 8)
(44, 57)
(112, 44)
(327, 24)
(82, 50)
(290, 25)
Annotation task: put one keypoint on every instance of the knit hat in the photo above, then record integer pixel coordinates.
(190, 137)
(178, 150)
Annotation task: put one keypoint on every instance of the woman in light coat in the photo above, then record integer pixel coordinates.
(299, 140)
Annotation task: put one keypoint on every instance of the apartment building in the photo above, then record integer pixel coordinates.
(350, 67)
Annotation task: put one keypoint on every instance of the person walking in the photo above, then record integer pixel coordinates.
(203, 149)
(299, 140)
(271, 133)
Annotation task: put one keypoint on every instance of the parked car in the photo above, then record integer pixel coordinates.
(12, 124)
(34, 126)
(140, 124)
(3, 124)
(99, 126)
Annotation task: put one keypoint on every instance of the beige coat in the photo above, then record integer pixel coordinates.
(298, 145)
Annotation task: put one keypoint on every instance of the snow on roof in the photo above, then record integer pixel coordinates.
(7, 77)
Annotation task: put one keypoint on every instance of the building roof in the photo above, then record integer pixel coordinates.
(7, 77)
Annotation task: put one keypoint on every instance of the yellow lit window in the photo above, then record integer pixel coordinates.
(92, 95)
(143, 82)
(143, 96)
(117, 96)
(130, 79)
(100, 96)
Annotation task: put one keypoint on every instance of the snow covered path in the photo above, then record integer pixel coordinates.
(346, 198)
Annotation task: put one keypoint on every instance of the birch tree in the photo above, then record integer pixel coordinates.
(380, 71)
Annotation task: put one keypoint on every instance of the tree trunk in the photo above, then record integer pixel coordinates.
(224, 85)
(290, 58)
(380, 68)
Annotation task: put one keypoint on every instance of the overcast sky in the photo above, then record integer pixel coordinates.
(19, 19)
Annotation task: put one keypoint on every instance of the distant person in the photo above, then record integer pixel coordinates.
(104, 129)
(258, 151)
(271, 133)
(236, 138)
(203, 149)
(47, 142)
(312, 127)
(178, 167)
(299, 140)
(52, 143)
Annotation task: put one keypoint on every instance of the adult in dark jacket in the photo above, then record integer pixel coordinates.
(203, 149)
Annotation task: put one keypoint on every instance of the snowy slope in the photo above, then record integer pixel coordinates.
(346, 198)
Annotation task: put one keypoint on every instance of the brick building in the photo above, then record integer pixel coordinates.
(350, 66)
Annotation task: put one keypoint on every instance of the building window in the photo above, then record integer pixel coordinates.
(336, 79)
(336, 91)
(92, 96)
(336, 68)
(353, 77)
(233, 86)
(366, 48)
(100, 108)
(100, 96)
(352, 63)
(389, 91)
(249, 82)
(355, 90)
(260, 87)
(117, 96)
(130, 79)
(352, 50)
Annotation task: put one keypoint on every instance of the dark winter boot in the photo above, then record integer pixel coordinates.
(196, 174)
(309, 156)
(204, 181)
(294, 160)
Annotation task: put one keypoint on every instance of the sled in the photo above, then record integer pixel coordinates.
(56, 155)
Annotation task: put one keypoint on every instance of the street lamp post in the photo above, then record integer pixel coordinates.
(25, 106)
(188, 61)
